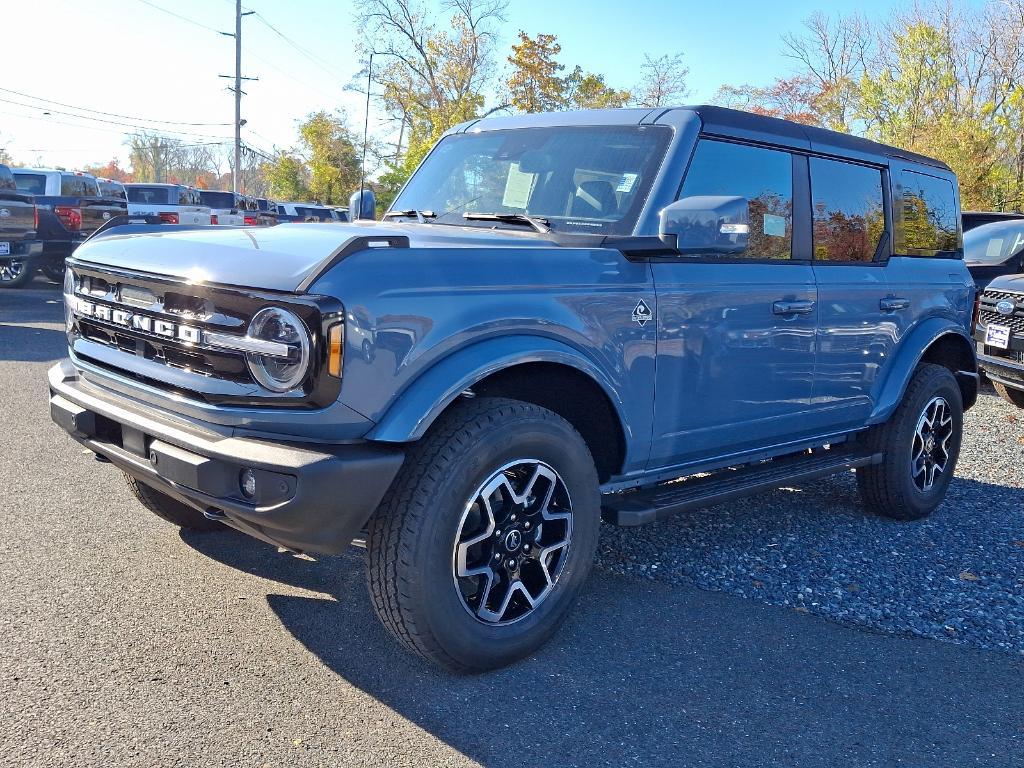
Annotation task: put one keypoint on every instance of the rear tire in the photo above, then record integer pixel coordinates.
(1010, 395)
(487, 535)
(170, 509)
(921, 443)
(15, 273)
(53, 272)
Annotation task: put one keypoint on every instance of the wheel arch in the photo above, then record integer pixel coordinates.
(542, 371)
(939, 341)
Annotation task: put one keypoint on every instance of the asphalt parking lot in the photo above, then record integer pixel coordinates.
(791, 629)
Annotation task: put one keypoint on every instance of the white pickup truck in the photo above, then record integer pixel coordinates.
(173, 203)
(230, 208)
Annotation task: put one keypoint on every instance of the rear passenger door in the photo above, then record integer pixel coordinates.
(857, 311)
(736, 334)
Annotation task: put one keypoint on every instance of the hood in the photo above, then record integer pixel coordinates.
(275, 258)
(1008, 283)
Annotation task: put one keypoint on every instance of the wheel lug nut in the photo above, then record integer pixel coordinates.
(513, 518)
(526, 525)
(497, 555)
(511, 564)
(526, 547)
(497, 534)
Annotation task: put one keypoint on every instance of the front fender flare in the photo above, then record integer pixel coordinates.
(426, 397)
(909, 354)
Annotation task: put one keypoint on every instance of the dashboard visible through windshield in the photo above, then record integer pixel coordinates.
(591, 179)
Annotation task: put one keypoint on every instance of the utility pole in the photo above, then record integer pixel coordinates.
(237, 171)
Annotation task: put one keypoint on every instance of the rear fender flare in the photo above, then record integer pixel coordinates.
(909, 354)
(427, 396)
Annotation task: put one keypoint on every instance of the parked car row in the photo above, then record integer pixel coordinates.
(47, 213)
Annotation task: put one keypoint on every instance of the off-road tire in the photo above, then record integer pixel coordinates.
(410, 558)
(170, 509)
(20, 280)
(888, 489)
(1009, 394)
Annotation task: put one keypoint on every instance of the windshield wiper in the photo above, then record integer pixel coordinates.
(538, 224)
(421, 216)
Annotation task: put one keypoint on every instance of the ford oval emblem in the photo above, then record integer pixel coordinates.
(1005, 307)
(4, 213)
(106, 215)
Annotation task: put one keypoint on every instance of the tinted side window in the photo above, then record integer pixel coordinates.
(33, 183)
(763, 176)
(78, 186)
(6, 178)
(849, 217)
(930, 224)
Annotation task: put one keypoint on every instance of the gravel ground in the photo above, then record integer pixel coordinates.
(957, 576)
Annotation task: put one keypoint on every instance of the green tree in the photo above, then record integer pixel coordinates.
(331, 151)
(535, 85)
(586, 90)
(288, 178)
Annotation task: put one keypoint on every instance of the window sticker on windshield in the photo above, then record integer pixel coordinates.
(774, 225)
(626, 182)
(518, 187)
(994, 248)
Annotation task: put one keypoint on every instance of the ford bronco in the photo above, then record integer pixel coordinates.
(563, 318)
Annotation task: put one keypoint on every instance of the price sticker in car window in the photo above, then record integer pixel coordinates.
(997, 336)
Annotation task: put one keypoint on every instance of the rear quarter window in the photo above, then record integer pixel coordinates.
(929, 219)
(78, 186)
(32, 183)
(848, 210)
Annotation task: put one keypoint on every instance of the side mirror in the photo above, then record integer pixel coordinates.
(362, 205)
(706, 224)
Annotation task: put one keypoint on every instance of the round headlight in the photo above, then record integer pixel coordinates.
(285, 366)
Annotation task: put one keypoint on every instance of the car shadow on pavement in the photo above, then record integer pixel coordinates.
(645, 673)
(31, 343)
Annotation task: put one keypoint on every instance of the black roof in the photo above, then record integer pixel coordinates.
(734, 122)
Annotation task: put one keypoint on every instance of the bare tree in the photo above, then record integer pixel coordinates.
(663, 81)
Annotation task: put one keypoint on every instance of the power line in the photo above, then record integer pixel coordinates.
(108, 122)
(156, 7)
(322, 63)
(111, 114)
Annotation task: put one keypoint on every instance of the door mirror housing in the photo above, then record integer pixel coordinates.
(706, 224)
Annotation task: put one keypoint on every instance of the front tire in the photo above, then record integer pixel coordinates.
(170, 509)
(921, 444)
(53, 272)
(486, 537)
(1010, 395)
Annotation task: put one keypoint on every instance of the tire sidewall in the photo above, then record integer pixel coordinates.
(461, 634)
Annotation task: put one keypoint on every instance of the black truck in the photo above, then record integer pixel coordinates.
(70, 208)
(19, 243)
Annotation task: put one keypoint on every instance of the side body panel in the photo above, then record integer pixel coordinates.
(409, 310)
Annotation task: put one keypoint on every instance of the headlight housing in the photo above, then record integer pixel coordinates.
(69, 300)
(277, 372)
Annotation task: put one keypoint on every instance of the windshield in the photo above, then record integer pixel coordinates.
(587, 179)
(994, 243)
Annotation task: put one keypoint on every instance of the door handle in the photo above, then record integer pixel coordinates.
(893, 304)
(801, 307)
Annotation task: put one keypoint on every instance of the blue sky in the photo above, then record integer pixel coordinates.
(132, 59)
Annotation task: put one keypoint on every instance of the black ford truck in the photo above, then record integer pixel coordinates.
(70, 209)
(19, 244)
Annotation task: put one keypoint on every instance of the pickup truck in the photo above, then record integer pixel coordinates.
(70, 209)
(563, 318)
(19, 221)
(230, 208)
(999, 334)
(305, 212)
(172, 203)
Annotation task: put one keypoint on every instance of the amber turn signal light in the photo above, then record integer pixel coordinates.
(335, 342)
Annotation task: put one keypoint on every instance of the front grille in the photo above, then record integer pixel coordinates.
(139, 325)
(987, 310)
(1014, 322)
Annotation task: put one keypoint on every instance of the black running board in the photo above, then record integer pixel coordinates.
(649, 505)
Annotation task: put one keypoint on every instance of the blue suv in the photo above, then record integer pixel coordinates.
(563, 318)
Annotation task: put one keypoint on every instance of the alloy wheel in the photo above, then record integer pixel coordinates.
(930, 451)
(11, 270)
(512, 542)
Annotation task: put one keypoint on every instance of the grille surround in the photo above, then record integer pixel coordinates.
(203, 372)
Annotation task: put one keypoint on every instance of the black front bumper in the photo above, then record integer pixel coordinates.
(310, 498)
